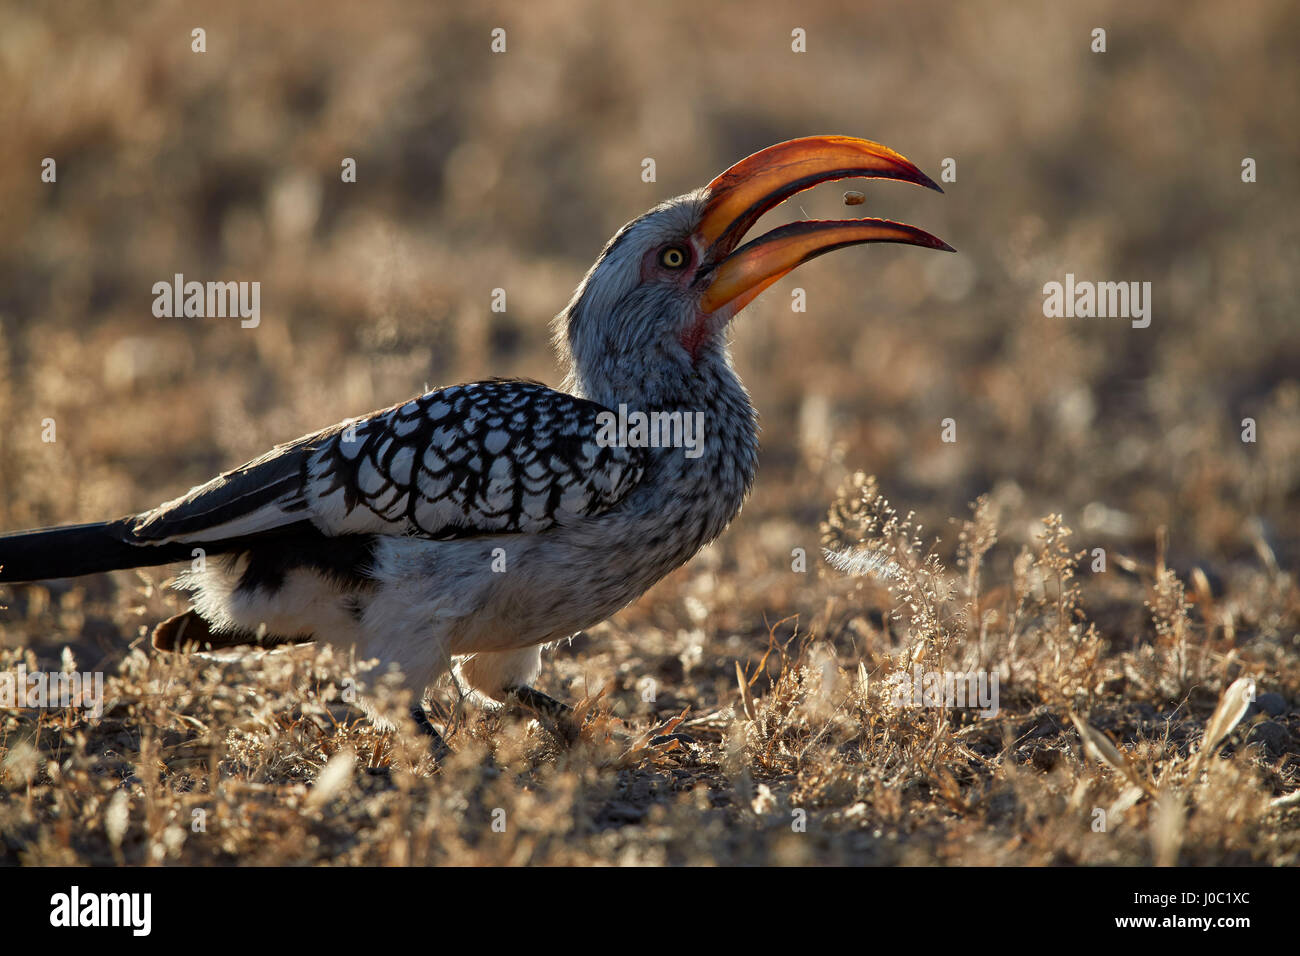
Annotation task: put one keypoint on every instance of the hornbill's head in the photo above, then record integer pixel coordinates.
(655, 306)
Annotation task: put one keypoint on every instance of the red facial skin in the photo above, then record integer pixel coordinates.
(694, 335)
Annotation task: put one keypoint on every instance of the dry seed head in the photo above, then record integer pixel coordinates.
(978, 534)
(1169, 605)
(1232, 706)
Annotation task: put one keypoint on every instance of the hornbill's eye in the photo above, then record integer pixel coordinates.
(673, 257)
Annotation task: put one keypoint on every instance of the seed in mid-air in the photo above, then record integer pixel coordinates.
(854, 198)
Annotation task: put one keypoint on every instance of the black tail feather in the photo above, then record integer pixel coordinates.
(110, 545)
(187, 632)
(81, 549)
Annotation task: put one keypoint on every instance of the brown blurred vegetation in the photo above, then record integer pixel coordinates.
(478, 171)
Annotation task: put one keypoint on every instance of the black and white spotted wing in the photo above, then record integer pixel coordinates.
(490, 457)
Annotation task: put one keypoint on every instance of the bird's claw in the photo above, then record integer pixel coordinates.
(555, 715)
(543, 705)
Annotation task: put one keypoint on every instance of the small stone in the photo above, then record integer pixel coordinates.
(854, 198)
(1044, 759)
(1276, 739)
(1274, 705)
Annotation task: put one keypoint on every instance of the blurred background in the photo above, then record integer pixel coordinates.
(478, 171)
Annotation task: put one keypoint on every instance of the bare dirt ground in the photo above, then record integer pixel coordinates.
(1118, 739)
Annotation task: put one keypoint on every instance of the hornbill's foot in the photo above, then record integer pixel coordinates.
(686, 740)
(558, 714)
(541, 704)
(437, 746)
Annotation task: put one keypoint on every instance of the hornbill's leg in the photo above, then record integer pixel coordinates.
(508, 675)
(437, 746)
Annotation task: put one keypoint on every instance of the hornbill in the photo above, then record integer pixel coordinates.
(473, 524)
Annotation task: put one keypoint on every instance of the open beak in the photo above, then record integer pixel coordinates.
(731, 277)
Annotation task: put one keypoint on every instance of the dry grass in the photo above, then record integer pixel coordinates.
(799, 753)
(476, 173)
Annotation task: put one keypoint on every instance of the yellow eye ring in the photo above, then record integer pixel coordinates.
(672, 258)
